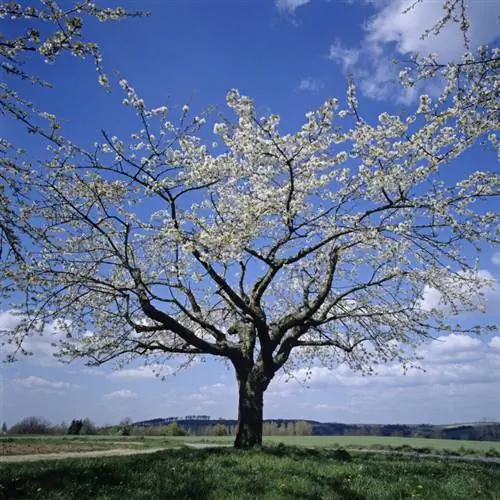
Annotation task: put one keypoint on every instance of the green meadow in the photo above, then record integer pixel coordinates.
(275, 472)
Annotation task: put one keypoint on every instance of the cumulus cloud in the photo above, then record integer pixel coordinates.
(210, 395)
(39, 384)
(346, 57)
(454, 343)
(391, 33)
(390, 25)
(290, 6)
(8, 320)
(41, 347)
(451, 359)
(142, 372)
(485, 293)
(325, 407)
(201, 399)
(122, 394)
(309, 84)
(495, 343)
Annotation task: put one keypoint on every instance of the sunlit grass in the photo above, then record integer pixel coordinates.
(277, 472)
(380, 442)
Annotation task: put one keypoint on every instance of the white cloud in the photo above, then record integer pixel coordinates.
(40, 384)
(391, 26)
(485, 291)
(122, 394)
(451, 359)
(455, 343)
(323, 406)
(8, 320)
(219, 386)
(142, 372)
(495, 258)
(41, 347)
(197, 396)
(309, 84)
(290, 6)
(495, 343)
(330, 407)
(390, 33)
(346, 57)
(209, 395)
(201, 399)
(94, 372)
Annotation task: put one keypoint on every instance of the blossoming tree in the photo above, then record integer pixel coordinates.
(282, 249)
(268, 250)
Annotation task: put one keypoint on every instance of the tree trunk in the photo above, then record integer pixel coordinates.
(250, 413)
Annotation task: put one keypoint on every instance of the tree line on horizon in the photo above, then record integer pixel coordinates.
(481, 431)
(41, 426)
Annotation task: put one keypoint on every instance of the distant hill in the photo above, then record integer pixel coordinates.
(481, 431)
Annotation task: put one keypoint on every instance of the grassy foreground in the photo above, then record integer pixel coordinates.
(273, 473)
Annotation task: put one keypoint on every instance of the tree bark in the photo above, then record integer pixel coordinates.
(250, 413)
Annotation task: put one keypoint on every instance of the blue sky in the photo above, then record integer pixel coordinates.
(289, 55)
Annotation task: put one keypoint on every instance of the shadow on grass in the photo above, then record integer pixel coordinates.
(301, 453)
(154, 476)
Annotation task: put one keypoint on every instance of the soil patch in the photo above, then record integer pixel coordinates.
(17, 448)
(35, 457)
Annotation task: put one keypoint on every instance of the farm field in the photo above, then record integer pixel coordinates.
(275, 472)
(21, 445)
(361, 442)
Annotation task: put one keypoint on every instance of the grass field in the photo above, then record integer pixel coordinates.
(453, 445)
(276, 472)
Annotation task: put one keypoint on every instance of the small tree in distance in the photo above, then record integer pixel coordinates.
(31, 425)
(173, 429)
(88, 427)
(303, 428)
(75, 427)
(218, 430)
(125, 427)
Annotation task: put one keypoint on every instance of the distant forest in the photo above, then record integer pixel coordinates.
(480, 431)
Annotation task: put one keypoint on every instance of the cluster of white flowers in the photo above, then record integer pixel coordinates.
(132, 98)
(186, 224)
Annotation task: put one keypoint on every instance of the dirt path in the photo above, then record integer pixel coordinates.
(77, 454)
(35, 457)
(127, 451)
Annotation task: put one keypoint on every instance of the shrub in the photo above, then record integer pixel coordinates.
(173, 429)
(31, 425)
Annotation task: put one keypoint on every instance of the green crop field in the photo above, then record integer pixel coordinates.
(276, 472)
(362, 442)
